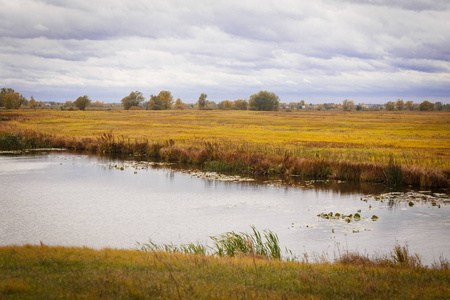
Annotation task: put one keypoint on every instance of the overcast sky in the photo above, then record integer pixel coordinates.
(370, 51)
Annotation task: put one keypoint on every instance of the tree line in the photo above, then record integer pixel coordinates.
(261, 101)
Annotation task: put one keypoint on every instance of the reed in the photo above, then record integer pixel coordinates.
(393, 173)
(229, 244)
(244, 244)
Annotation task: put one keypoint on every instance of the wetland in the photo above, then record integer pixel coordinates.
(72, 199)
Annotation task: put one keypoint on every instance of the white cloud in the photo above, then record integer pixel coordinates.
(227, 49)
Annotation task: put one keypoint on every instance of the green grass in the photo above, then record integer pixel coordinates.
(41, 272)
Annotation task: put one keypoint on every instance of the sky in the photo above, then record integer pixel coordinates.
(369, 51)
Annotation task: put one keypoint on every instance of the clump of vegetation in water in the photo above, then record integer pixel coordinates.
(348, 218)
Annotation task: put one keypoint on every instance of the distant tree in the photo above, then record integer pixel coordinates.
(10, 100)
(400, 104)
(179, 104)
(438, 105)
(14, 100)
(133, 99)
(426, 106)
(202, 101)
(32, 103)
(240, 104)
(348, 105)
(3, 93)
(227, 104)
(390, 106)
(156, 103)
(359, 107)
(167, 99)
(210, 104)
(301, 104)
(97, 104)
(409, 105)
(82, 102)
(264, 101)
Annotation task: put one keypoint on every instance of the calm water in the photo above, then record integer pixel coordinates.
(68, 199)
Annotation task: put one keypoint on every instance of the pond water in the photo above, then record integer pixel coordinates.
(69, 199)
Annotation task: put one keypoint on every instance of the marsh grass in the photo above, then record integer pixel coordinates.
(393, 173)
(253, 244)
(191, 248)
(398, 257)
(364, 147)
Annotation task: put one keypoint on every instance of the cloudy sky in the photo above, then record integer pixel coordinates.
(371, 51)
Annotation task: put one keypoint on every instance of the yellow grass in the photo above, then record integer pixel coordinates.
(411, 138)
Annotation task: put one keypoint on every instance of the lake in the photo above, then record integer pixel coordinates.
(60, 198)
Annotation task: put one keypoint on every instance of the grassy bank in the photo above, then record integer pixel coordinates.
(394, 147)
(41, 272)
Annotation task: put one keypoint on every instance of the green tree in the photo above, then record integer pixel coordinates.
(240, 104)
(426, 106)
(264, 101)
(179, 104)
(10, 100)
(301, 104)
(202, 101)
(409, 105)
(390, 106)
(133, 99)
(400, 104)
(156, 103)
(3, 93)
(82, 102)
(438, 105)
(14, 100)
(167, 99)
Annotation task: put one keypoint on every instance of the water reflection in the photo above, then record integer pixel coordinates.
(97, 201)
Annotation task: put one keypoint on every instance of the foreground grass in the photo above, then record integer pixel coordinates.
(356, 146)
(30, 272)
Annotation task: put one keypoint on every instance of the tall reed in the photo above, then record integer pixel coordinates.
(229, 244)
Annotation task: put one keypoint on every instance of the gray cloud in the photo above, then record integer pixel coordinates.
(226, 49)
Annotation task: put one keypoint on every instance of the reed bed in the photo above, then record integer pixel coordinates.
(240, 142)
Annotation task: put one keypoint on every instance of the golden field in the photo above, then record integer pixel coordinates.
(414, 140)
